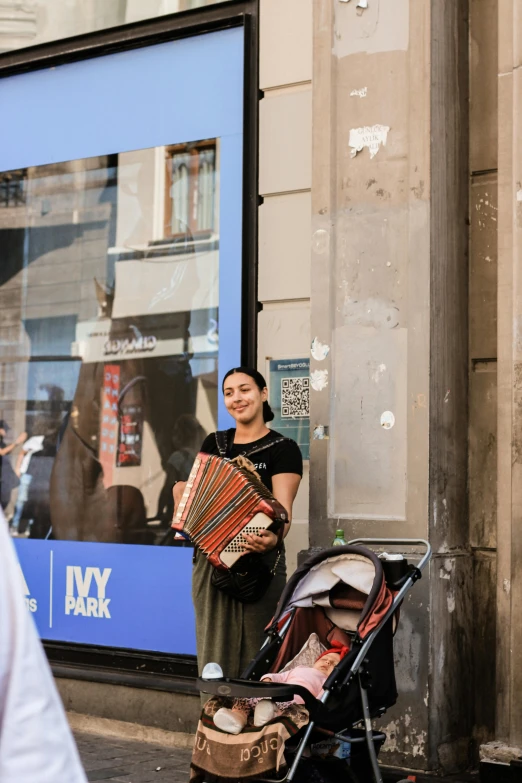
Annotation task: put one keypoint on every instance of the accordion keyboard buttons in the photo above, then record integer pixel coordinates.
(234, 549)
(236, 546)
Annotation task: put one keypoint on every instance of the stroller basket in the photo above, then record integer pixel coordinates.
(348, 595)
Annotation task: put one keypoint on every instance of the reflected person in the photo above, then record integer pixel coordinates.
(8, 478)
(187, 436)
(33, 466)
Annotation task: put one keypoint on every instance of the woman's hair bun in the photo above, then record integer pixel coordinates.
(268, 413)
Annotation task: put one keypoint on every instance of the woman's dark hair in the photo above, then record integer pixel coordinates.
(260, 382)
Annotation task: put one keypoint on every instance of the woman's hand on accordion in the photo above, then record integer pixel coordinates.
(262, 543)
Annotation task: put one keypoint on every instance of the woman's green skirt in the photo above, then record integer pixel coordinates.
(228, 632)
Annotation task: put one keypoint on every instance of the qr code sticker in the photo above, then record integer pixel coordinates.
(295, 398)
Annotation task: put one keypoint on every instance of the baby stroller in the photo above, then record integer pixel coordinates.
(347, 595)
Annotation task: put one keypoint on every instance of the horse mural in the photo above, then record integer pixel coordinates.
(86, 504)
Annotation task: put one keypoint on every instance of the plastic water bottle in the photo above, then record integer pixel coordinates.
(339, 539)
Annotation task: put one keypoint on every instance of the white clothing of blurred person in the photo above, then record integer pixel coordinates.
(36, 744)
(30, 447)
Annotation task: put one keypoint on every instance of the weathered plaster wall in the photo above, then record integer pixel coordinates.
(370, 303)
(390, 297)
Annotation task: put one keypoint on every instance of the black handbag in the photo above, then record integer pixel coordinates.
(249, 579)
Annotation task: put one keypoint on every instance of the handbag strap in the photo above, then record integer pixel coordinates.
(273, 569)
(256, 449)
(222, 443)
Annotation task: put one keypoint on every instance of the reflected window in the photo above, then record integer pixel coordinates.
(12, 189)
(109, 338)
(190, 189)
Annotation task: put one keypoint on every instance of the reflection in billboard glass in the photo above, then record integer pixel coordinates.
(109, 339)
(40, 21)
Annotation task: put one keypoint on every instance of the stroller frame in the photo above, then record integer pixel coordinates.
(239, 688)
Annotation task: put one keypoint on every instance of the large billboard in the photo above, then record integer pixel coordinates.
(120, 288)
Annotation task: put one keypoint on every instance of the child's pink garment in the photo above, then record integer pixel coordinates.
(309, 678)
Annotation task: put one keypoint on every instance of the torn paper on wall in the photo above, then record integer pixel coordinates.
(319, 379)
(319, 350)
(362, 93)
(371, 136)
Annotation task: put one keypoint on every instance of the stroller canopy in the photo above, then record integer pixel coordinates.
(347, 582)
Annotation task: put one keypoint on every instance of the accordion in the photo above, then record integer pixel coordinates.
(221, 502)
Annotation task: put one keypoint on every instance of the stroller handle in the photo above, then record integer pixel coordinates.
(398, 542)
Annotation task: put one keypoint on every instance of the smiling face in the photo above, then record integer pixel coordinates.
(243, 398)
(327, 663)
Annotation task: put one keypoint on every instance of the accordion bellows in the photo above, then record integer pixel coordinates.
(220, 503)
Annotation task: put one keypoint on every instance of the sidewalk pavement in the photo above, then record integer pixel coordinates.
(131, 761)
(135, 761)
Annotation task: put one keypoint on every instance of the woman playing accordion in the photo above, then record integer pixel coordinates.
(229, 631)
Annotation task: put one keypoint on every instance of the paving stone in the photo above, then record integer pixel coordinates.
(107, 773)
(113, 760)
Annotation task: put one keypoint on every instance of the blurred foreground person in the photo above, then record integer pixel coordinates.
(36, 744)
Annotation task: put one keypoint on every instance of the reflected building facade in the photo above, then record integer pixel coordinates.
(34, 22)
(111, 268)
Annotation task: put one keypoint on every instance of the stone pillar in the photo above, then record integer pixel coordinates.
(482, 484)
(509, 516)
(389, 299)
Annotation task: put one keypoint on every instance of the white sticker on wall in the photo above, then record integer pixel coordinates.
(320, 241)
(319, 350)
(319, 379)
(371, 136)
(321, 432)
(387, 420)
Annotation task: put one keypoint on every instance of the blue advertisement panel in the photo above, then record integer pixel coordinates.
(110, 595)
(121, 190)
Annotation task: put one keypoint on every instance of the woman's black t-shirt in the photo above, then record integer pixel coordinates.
(284, 457)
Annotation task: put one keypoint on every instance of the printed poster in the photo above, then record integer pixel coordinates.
(289, 387)
(109, 423)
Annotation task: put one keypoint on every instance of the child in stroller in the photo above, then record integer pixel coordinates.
(312, 678)
(344, 595)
